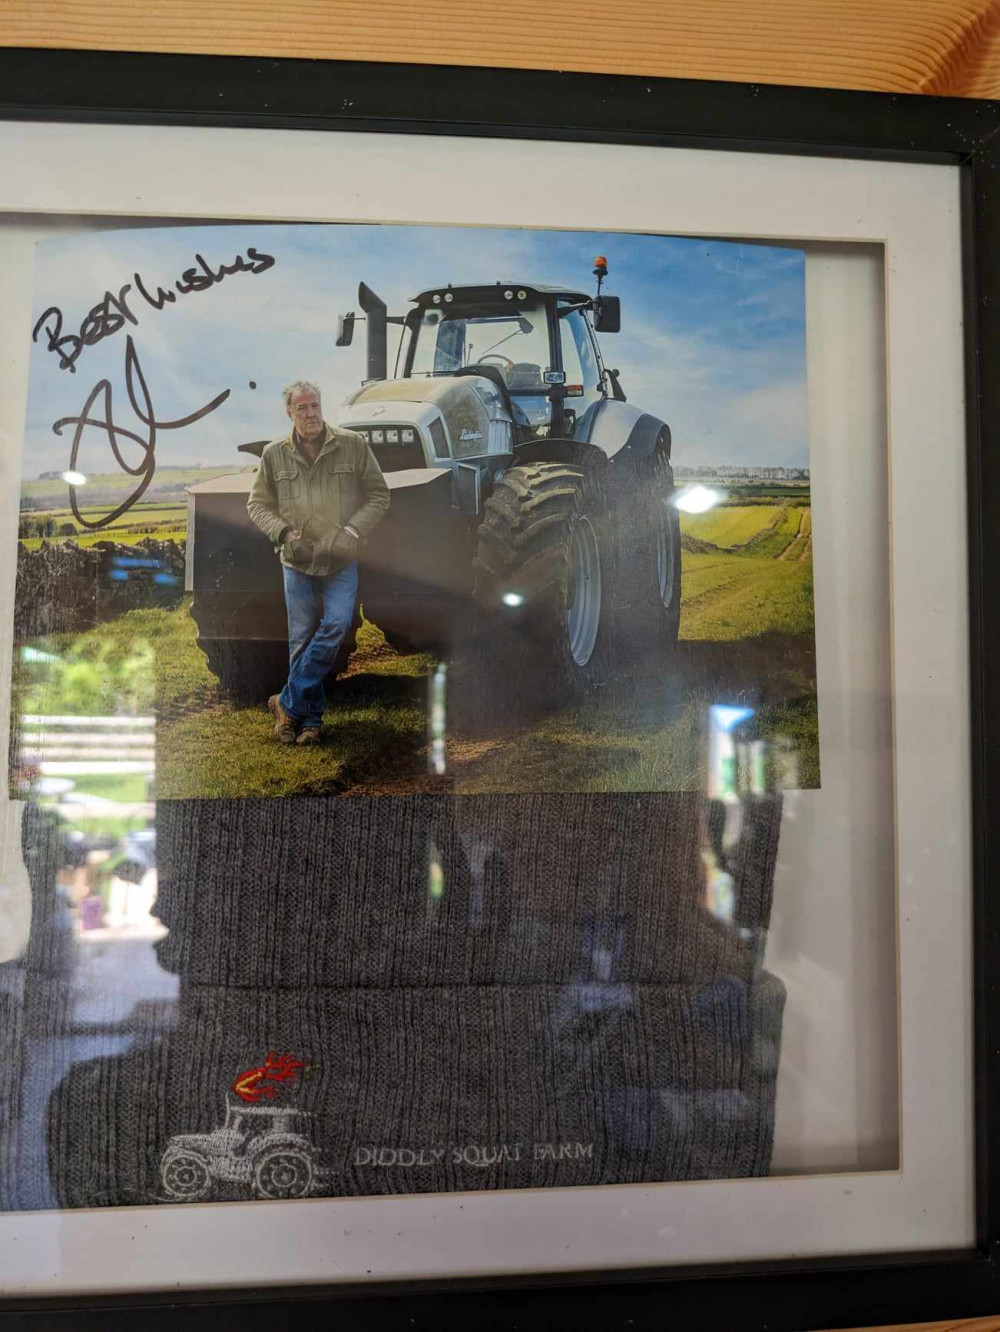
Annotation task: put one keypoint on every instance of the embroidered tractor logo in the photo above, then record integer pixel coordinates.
(260, 1144)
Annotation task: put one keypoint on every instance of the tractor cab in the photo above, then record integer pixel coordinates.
(480, 370)
(536, 343)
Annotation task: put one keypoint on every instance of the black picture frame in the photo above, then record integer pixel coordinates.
(114, 87)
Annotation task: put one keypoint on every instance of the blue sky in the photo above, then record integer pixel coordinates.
(712, 340)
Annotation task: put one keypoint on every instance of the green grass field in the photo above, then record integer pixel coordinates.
(163, 520)
(162, 515)
(728, 525)
(149, 660)
(763, 531)
(746, 636)
(729, 597)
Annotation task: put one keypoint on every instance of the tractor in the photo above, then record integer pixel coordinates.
(259, 1146)
(531, 504)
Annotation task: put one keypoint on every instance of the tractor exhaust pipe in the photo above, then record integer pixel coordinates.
(374, 308)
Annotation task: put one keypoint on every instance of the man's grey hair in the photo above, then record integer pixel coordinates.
(300, 386)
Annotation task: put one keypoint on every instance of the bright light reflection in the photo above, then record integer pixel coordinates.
(439, 720)
(727, 717)
(513, 599)
(74, 478)
(696, 499)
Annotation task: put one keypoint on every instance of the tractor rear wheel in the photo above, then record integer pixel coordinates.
(542, 585)
(283, 1172)
(647, 590)
(649, 597)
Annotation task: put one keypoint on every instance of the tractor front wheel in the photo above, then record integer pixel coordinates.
(185, 1176)
(541, 583)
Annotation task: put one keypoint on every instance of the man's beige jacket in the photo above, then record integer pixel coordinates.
(343, 487)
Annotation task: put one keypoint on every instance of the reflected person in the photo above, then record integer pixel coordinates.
(318, 493)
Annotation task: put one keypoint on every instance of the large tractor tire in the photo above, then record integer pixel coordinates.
(648, 582)
(542, 584)
(646, 592)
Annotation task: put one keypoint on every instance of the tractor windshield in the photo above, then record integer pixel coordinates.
(516, 342)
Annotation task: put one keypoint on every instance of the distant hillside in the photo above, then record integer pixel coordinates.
(728, 472)
(112, 487)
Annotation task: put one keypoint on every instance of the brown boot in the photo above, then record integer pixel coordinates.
(284, 727)
(308, 736)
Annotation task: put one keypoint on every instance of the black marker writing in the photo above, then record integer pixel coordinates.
(159, 300)
(194, 280)
(106, 317)
(104, 422)
(111, 313)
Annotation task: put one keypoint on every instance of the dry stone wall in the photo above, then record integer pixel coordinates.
(66, 588)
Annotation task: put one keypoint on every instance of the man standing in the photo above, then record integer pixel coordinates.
(317, 493)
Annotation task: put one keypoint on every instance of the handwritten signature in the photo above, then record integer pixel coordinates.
(103, 421)
(113, 312)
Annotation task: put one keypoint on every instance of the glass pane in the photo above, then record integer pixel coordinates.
(425, 792)
(579, 360)
(516, 342)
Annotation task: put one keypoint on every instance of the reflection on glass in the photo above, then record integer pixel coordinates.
(627, 976)
(502, 921)
(88, 987)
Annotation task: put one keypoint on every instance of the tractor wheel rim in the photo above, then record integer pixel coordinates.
(185, 1175)
(584, 615)
(283, 1176)
(666, 573)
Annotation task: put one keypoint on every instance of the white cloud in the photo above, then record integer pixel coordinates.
(723, 404)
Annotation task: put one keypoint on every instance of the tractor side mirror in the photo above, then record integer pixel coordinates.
(608, 315)
(345, 330)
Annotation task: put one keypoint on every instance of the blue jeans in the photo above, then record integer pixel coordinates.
(320, 611)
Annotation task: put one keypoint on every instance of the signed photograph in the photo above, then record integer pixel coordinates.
(335, 510)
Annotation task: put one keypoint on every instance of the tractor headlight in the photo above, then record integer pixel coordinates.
(409, 436)
(378, 436)
(392, 436)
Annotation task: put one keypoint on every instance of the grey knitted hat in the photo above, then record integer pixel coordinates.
(391, 995)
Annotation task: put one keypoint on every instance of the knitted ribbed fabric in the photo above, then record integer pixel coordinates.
(488, 992)
(328, 892)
